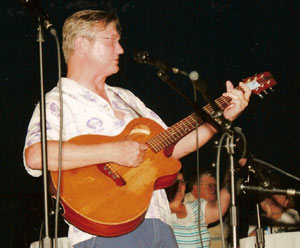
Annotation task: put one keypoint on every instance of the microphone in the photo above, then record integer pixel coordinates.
(199, 84)
(145, 58)
(292, 192)
(34, 7)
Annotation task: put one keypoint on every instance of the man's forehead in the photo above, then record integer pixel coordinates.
(179, 176)
(110, 27)
(207, 178)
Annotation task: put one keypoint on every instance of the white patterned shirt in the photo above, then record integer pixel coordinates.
(85, 112)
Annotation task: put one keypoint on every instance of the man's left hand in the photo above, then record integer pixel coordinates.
(239, 100)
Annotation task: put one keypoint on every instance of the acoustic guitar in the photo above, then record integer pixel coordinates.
(111, 200)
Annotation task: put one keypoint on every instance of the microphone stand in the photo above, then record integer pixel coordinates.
(275, 168)
(225, 127)
(47, 242)
(233, 210)
(260, 236)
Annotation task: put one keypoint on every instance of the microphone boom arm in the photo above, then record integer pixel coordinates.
(199, 111)
(201, 87)
(217, 115)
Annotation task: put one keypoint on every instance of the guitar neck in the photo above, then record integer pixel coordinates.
(182, 128)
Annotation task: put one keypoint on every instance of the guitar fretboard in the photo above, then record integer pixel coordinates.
(179, 130)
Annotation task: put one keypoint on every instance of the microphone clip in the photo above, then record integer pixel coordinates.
(201, 87)
(254, 168)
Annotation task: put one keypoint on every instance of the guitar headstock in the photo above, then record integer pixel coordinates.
(260, 83)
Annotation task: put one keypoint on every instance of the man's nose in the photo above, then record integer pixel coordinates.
(119, 49)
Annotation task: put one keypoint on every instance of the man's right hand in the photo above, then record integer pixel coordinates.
(129, 153)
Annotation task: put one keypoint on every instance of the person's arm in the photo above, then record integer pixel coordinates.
(188, 143)
(127, 153)
(212, 209)
(239, 101)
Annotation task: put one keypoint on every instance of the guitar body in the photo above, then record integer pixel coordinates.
(111, 200)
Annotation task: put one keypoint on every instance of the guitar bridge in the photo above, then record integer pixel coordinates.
(108, 171)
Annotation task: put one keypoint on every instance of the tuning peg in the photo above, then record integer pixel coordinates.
(260, 96)
(265, 92)
(271, 89)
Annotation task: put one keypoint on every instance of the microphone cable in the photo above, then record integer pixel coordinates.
(60, 141)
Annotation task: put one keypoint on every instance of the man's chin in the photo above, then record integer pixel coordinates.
(214, 198)
(113, 71)
(116, 69)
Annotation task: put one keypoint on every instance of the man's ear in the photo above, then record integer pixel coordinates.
(81, 45)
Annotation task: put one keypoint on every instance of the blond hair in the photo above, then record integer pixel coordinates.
(85, 23)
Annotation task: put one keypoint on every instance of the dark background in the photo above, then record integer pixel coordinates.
(220, 39)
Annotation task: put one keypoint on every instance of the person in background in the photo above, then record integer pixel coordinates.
(278, 215)
(207, 186)
(185, 217)
(91, 46)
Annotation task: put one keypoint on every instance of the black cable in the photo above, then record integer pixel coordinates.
(198, 171)
(60, 142)
(218, 185)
